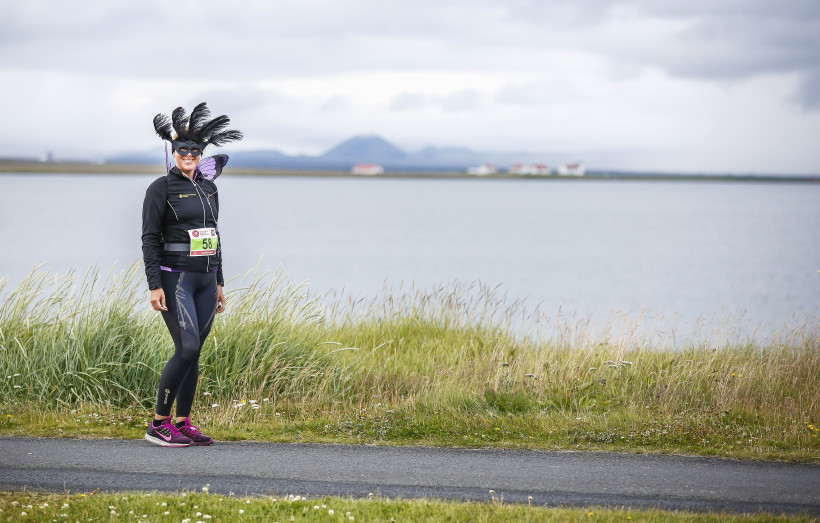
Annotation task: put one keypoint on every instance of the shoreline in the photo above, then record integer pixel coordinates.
(57, 168)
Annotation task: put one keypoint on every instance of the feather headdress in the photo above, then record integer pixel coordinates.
(199, 127)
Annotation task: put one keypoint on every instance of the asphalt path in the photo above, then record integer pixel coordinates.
(551, 478)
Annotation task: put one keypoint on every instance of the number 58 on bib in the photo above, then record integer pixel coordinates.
(203, 241)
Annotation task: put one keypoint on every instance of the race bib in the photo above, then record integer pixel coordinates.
(203, 241)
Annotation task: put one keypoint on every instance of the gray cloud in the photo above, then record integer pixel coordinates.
(808, 92)
(462, 100)
(237, 101)
(409, 102)
(333, 104)
(457, 101)
(704, 39)
(728, 39)
(531, 94)
(306, 74)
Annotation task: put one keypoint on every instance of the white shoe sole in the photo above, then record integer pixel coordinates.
(162, 443)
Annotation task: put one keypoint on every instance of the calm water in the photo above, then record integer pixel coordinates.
(685, 248)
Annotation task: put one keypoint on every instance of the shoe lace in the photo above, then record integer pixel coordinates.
(191, 429)
(173, 429)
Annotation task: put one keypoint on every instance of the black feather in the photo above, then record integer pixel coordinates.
(162, 125)
(213, 127)
(225, 137)
(180, 121)
(199, 116)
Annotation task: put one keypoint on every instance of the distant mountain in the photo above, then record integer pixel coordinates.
(365, 149)
(447, 154)
(359, 149)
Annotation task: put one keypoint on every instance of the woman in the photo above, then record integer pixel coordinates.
(183, 261)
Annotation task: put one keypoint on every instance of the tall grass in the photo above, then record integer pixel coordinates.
(410, 364)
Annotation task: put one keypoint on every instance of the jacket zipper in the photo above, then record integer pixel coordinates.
(204, 217)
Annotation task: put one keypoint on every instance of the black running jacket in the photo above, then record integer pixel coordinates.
(174, 204)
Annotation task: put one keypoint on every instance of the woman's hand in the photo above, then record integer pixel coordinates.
(221, 304)
(158, 299)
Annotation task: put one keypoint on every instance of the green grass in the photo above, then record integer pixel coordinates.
(146, 507)
(81, 356)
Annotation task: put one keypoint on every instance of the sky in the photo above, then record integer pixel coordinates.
(671, 85)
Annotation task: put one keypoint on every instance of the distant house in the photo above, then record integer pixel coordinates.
(368, 169)
(530, 168)
(482, 170)
(572, 169)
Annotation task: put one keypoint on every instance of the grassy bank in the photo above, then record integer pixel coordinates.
(192, 507)
(81, 356)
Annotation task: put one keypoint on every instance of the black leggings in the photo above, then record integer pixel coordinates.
(191, 301)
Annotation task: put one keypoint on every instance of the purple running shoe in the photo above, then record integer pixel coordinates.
(192, 432)
(166, 435)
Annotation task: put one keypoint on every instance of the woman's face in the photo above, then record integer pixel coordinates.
(186, 163)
